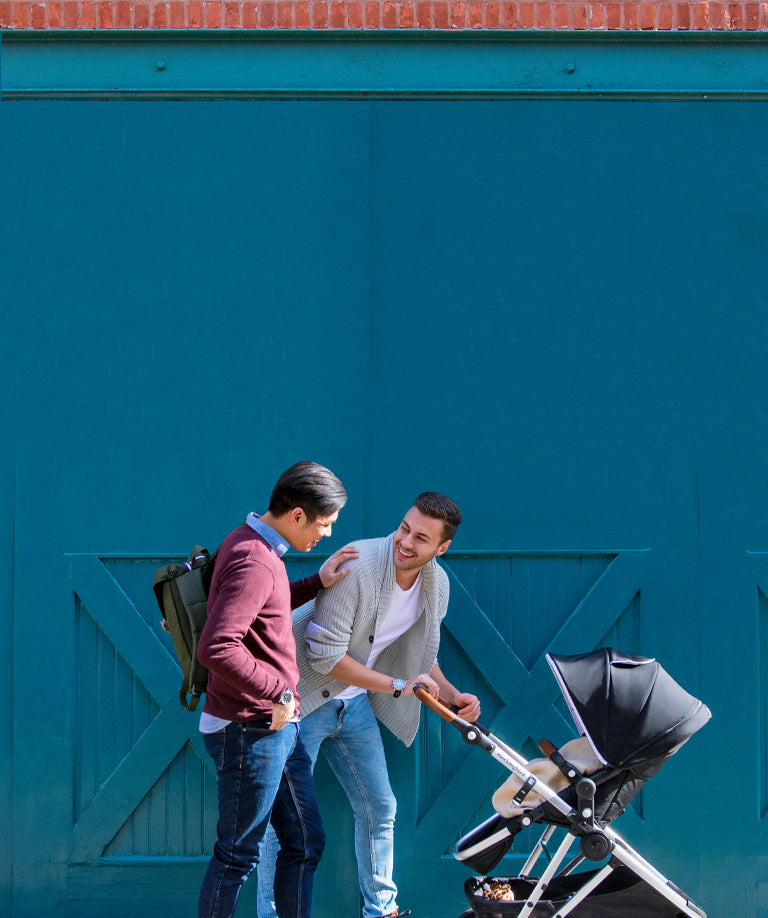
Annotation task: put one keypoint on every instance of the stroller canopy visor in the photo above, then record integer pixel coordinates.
(629, 708)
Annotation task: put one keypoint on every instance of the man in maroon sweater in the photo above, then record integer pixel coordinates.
(250, 717)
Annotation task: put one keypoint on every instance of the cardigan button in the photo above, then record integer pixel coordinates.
(370, 639)
(326, 693)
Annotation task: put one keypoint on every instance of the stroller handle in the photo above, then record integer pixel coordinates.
(449, 713)
(439, 706)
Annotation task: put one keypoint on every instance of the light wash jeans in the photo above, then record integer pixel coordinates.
(262, 776)
(348, 733)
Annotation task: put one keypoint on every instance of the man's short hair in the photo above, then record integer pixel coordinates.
(310, 486)
(440, 507)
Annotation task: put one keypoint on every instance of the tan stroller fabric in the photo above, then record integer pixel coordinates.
(578, 752)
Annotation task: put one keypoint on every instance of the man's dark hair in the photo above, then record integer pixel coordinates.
(440, 507)
(310, 486)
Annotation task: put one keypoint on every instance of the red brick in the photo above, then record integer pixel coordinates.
(596, 16)
(177, 14)
(613, 15)
(38, 16)
(701, 15)
(212, 15)
(88, 15)
(579, 17)
(372, 15)
(122, 14)
(543, 15)
(562, 16)
(458, 14)
(752, 16)
(509, 15)
(302, 14)
(320, 15)
(683, 16)
(475, 15)
(267, 14)
(717, 16)
(231, 14)
(20, 16)
(70, 14)
(492, 16)
(140, 15)
(195, 14)
(735, 16)
(526, 15)
(407, 15)
(338, 15)
(647, 15)
(424, 14)
(666, 16)
(389, 15)
(441, 14)
(354, 14)
(6, 16)
(284, 14)
(159, 16)
(54, 16)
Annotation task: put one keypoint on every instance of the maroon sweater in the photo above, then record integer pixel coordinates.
(247, 642)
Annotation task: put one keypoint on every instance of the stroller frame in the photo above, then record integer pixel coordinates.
(597, 841)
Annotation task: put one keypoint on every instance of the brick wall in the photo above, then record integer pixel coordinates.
(380, 14)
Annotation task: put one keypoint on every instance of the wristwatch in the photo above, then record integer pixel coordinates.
(286, 697)
(398, 687)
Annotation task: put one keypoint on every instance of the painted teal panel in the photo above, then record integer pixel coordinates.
(401, 64)
(554, 311)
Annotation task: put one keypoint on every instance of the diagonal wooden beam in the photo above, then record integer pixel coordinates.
(121, 622)
(130, 782)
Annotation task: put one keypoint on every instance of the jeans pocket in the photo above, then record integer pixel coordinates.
(215, 744)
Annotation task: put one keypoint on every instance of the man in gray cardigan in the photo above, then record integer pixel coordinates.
(362, 644)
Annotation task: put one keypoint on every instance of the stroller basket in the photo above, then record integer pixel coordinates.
(631, 717)
(621, 895)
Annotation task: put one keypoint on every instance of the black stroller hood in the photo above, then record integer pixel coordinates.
(629, 708)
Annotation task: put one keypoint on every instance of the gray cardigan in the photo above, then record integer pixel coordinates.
(344, 619)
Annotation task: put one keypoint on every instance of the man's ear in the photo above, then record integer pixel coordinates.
(297, 516)
(444, 547)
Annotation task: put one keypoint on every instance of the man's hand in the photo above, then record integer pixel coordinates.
(427, 681)
(282, 714)
(468, 705)
(334, 569)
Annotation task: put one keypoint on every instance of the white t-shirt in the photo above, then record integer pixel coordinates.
(402, 613)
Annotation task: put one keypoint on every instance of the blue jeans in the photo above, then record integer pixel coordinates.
(263, 775)
(348, 733)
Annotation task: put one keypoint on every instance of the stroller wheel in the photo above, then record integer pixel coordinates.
(468, 914)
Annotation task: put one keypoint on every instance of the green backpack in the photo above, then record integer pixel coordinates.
(181, 590)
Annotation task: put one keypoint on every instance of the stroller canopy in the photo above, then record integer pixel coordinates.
(629, 708)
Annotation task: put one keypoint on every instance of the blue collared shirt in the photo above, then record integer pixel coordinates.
(271, 536)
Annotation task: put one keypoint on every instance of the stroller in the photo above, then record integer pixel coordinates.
(631, 716)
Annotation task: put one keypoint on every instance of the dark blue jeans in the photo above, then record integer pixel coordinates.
(264, 776)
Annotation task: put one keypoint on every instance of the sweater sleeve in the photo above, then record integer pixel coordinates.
(305, 589)
(328, 634)
(242, 594)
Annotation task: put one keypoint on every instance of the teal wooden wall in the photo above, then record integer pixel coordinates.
(551, 308)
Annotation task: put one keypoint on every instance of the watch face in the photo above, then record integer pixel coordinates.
(398, 684)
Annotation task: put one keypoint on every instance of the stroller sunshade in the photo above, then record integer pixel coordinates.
(628, 707)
